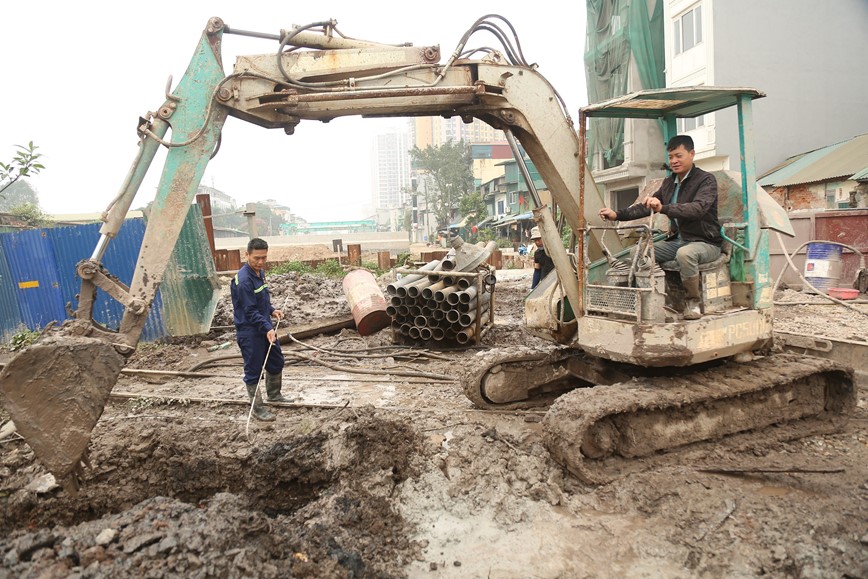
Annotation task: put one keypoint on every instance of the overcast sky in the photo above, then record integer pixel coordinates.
(77, 76)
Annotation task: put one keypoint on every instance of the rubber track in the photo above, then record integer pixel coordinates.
(574, 413)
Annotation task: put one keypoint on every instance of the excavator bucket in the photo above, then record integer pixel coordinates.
(55, 392)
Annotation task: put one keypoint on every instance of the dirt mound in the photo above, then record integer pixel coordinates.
(309, 502)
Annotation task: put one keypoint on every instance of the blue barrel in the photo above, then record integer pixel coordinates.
(823, 266)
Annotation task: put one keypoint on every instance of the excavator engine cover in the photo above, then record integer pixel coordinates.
(55, 391)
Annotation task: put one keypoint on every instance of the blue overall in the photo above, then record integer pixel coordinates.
(251, 305)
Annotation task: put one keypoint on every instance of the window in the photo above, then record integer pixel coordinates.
(624, 198)
(500, 208)
(685, 125)
(513, 197)
(688, 30)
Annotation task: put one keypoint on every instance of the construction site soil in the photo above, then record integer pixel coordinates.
(382, 468)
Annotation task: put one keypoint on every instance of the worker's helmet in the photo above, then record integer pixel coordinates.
(534, 233)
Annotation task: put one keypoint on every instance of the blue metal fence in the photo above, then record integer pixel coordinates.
(38, 278)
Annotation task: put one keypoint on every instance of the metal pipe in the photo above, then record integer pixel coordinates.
(425, 333)
(405, 329)
(403, 311)
(463, 283)
(466, 334)
(415, 288)
(414, 332)
(420, 321)
(467, 318)
(454, 299)
(396, 301)
(391, 310)
(438, 333)
(442, 295)
(428, 292)
(415, 311)
(439, 314)
(467, 295)
(472, 305)
(453, 316)
(392, 288)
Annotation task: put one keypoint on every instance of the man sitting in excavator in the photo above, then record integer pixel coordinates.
(689, 198)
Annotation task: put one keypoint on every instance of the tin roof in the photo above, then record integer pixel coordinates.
(847, 159)
(689, 101)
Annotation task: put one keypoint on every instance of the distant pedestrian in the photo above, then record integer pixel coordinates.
(252, 312)
(542, 263)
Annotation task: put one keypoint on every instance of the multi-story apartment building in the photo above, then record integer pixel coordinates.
(391, 174)
(804, 55)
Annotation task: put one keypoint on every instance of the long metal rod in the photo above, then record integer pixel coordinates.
(522, 167)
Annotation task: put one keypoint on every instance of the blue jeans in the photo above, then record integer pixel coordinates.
(688, 254)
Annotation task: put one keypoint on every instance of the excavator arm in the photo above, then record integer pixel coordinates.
(56, 390)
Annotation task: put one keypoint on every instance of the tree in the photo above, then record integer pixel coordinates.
(17, 194)
(450, 178)
(31, 214)
(23, 164)
(473, 204)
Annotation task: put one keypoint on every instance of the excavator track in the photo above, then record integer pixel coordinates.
(600, 434)
(526, 378)
(518, 380)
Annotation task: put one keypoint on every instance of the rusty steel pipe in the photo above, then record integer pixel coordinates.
(405, 329)
(453, 316)
(438, 314)
(366, 301)
(438, 333)
(453, 299)
(425, 333)
(414, 332)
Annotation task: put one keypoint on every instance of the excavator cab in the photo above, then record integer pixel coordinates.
(630, 303)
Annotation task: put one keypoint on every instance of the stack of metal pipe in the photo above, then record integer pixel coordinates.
(442, 300)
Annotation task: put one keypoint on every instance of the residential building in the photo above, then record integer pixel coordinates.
(802, 54)
(220, 202)
(391, 174)
(832, 177)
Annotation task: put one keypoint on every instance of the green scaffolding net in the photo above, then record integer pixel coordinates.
(616, 30)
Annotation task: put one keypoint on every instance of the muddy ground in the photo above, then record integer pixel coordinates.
(387, 475)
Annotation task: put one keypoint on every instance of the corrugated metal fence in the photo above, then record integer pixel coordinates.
(38, 278)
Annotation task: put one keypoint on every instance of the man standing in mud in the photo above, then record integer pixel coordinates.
(689, 199)
(252, 312)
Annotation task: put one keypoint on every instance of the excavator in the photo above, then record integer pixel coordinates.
(626, 379)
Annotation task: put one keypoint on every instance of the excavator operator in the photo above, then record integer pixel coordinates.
(254, 332)
(689, 198)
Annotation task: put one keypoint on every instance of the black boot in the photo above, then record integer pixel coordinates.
(273, 384)
(259, 411)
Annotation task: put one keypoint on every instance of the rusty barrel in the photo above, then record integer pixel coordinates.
(366, 302)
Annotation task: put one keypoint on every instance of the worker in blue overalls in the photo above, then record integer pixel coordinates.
(252, 312)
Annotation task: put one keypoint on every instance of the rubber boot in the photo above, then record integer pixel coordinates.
(692, 310)
(273, 384)
(259, 411)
